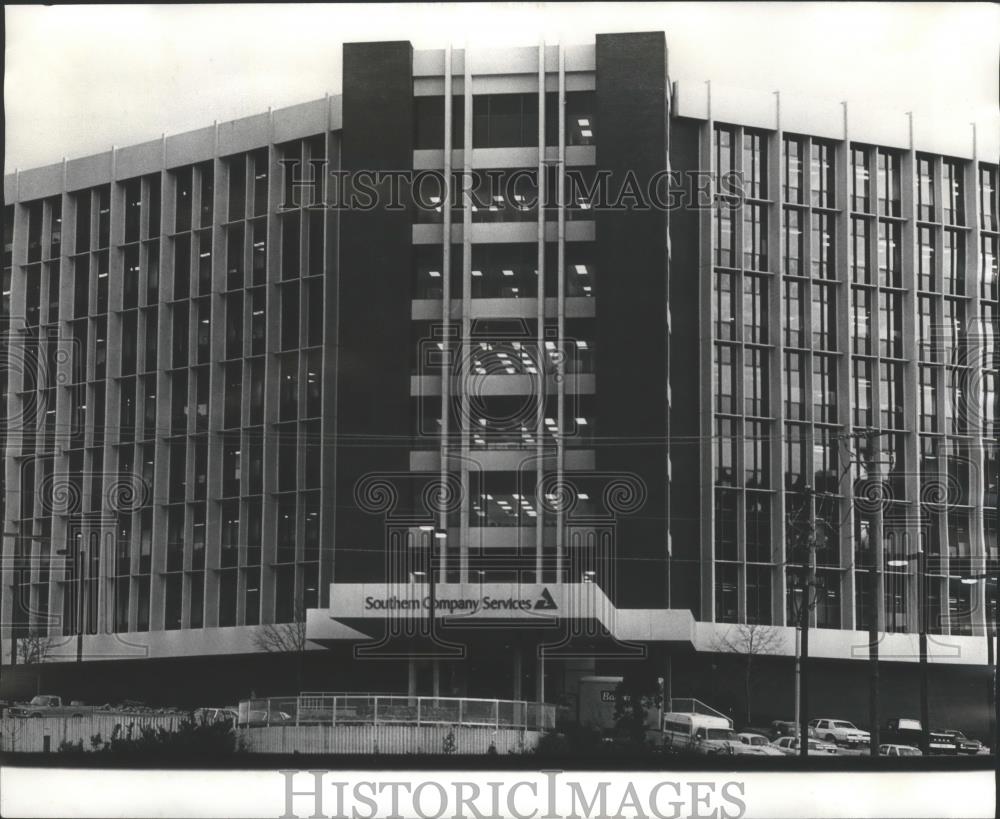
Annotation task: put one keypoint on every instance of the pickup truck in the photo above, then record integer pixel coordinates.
(49, 705)
(906, 731)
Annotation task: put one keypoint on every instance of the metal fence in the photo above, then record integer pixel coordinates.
(387, 738)
(41, 734)
(320, 708)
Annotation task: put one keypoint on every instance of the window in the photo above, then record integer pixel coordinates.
(824, 317)
(725, 379)
(133, 209)
(821, 172)
(828, 600)
(794, 385)
(754, 165)
(928, 347)
(888, 184)
(726, 593)
(889, 254)
(794, 315)
(758, 593)
(925, 189)
(987, 197)
(988, 271)
(259, 170)
(755, 381)
(499, 271)
(725, 309)
(861, 372)
(580, 123)
(758, 527)
(82, 202)
(954, 262)
(755, 307)
(725, 237)
(291, 317)
(860, 255)
(725, 451)
(183, 191)
(754, 237)
(182, 267)
(288, 387)
(793, 170)
(890, 320)
(891, 395)
(793, 242)
(429, 122)
(206, 177)
(504, 120)
(822, 246)
(860, 181)
(726, 547)
(926, 246)
(953, 330)
(953, 193)
(928, 400)
(756, 460)
(825, 389)
(725, 158)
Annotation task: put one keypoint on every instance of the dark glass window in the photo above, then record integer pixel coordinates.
(504, 120)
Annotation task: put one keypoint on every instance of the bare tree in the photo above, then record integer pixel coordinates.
(34, 648)
(285, 638)
(749, 640)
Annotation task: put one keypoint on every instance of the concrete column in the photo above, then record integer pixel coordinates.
(411, 677)
(517, 671)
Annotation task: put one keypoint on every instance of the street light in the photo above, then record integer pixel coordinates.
(902, 562)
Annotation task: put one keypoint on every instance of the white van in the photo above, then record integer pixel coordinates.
(700, 734)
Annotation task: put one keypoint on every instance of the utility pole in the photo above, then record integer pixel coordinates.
(806, 582)
(810, 575)
(873, 682)
(858, 459)
(922, 614)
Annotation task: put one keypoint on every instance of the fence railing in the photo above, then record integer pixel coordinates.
(317, 708)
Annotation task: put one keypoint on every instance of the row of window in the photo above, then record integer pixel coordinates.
(504, 120)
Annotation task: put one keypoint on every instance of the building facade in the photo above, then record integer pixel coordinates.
(624, 349)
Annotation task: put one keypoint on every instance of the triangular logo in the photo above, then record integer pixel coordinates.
(545, 602)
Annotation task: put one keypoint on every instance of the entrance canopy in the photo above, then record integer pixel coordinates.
(541, 605)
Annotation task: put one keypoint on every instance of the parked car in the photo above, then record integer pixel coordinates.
(899, 750)
(907, 731)
(759, 742)
(50, 705)
(787, 728)
(260, 716)
(790, 747)
(211, 715)
(966, 745)
(840, 732)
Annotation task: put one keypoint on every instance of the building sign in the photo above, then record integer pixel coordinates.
(489, 600)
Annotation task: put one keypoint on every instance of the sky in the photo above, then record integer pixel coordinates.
(80, 79)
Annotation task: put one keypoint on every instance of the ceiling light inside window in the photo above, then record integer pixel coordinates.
(584, 122)
(508, 272)
(477, 272)
(434, 274)
(581, 270)
(586, 133)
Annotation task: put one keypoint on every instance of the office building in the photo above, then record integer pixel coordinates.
(593, 423)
